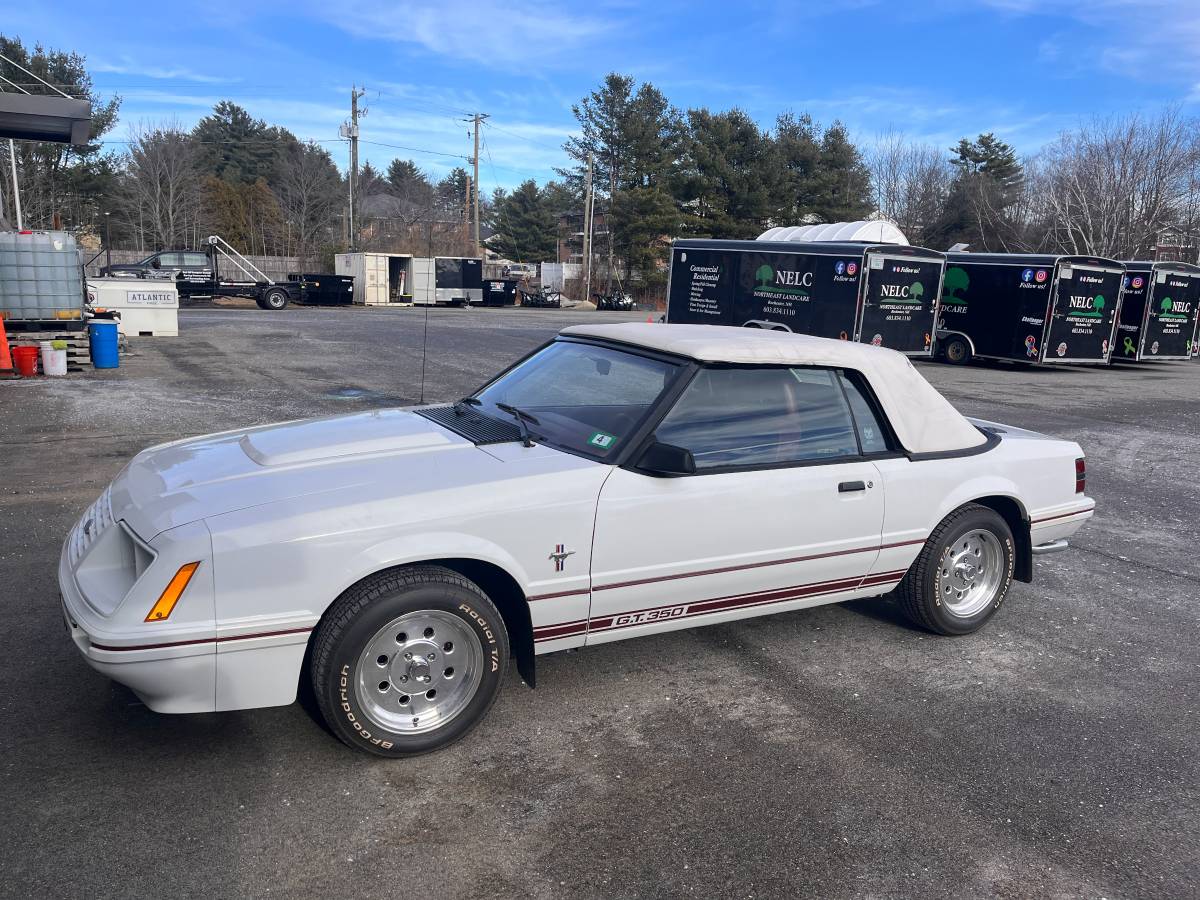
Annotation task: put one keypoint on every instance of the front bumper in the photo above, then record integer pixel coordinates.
(176, 673)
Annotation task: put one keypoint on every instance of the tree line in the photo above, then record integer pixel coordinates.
(1113, 187)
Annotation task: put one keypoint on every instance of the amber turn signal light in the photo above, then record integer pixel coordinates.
(167, 600)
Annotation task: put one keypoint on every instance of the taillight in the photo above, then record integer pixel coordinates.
(1080, 475)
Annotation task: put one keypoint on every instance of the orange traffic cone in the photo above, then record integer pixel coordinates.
(6, 363)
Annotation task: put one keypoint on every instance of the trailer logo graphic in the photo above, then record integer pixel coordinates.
(1083, 306)
(851, 269)
(1174, 309)
(904, 293)
(1027, 276)
(1137, 282)
(956, 280)
(783, 281)
(839, 267)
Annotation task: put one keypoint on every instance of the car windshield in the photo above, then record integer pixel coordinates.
(581, 397)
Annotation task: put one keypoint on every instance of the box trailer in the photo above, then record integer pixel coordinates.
(448, 281)
(878, 294)
(1159, 311)
(1033, 308)
(382, 279)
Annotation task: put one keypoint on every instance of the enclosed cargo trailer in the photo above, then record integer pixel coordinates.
(877, 294)
(1159, 311)
(1032, 308)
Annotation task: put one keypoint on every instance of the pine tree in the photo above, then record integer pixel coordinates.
(525, 225)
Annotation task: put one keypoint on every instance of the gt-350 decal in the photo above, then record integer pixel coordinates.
(650, 615)
(718, 604)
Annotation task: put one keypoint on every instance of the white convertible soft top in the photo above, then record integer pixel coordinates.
(923, 419)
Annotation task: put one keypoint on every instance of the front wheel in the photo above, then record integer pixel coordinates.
(408, 661)
(275, 299)
(963, 572)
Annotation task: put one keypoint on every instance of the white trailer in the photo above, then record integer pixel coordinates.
(391, 279)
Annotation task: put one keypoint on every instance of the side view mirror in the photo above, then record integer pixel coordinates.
(155, 263)
(666, 460)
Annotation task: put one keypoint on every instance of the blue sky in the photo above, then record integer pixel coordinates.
(934, 70)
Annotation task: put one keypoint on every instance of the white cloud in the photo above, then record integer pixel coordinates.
(488, 32)
(127, 66)
(1142, 39)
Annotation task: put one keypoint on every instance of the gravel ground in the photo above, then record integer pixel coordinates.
(832, 752)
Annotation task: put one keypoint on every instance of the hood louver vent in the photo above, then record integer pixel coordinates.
(477, 428)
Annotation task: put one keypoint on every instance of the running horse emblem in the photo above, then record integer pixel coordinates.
(559, 556)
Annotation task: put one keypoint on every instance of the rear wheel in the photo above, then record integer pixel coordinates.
(276, 298)
(962, 574)
(409, 661)
(956, 350)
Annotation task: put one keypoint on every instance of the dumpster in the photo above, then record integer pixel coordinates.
(500, 292)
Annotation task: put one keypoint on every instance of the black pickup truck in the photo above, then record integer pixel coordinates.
(220, 271)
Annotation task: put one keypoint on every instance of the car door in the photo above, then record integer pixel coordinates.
(784, 510)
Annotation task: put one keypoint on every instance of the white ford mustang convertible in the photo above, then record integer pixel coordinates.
(620, 481)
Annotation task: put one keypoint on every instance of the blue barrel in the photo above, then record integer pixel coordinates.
(103, 338)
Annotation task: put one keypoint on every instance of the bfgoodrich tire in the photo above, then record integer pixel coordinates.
(408, 661)
(963, 572)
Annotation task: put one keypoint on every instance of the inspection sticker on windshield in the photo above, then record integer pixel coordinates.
(602, 440)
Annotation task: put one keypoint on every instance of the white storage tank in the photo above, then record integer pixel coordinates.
(147, 308)
(40, 277)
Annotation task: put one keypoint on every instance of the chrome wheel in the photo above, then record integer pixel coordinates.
(970, 573)
(419, 671)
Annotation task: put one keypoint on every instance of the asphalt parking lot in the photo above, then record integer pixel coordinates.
(834, 752)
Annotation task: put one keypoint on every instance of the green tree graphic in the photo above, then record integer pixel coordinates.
(765, 274)
(956, 280)
(1098, 303)
(1166, 304)
(917, 291)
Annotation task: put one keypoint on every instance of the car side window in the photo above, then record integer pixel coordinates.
(195, 260)
(871, 434)
(761, 417)
(170, 260)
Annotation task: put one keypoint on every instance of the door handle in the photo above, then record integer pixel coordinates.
(847, 487)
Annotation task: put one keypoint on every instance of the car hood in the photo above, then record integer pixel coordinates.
(392, 450)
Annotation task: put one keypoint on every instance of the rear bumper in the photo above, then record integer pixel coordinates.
(1050, 527)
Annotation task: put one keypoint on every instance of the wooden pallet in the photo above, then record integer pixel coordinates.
(79, 356)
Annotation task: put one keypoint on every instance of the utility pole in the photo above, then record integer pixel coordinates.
(587, 231)
(350, 130)
(12, 158)
(478, 119)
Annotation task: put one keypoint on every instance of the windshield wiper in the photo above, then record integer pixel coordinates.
(522, 417)
(461, 405)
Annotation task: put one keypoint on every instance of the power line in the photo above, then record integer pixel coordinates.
(522, 137)
(415, 149)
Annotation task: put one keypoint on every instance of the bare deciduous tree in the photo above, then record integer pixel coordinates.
(911, 181)
(160, 190)
(1115, 185)
(309, 191)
